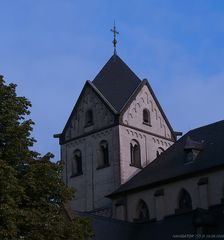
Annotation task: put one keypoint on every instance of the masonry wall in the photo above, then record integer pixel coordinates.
(149, 145)
(151, 136)
(93, 184)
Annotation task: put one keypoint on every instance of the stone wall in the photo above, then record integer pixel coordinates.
(149, 145)
(94, 183)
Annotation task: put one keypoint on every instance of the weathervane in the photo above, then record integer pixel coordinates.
(115, 40)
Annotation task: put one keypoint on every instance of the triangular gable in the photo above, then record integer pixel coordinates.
(98, 94)
(133, 96)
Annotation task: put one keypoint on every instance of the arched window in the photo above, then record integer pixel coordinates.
(142, 212)
(77, 163)
(184, 201)
(146, 117)
(135, 154)
(89, 118)
(192, 149)
(159, 151)
(103, 160)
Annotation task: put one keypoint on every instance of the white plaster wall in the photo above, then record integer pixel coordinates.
(94, 184)
(148, 145)
(133, 115)
(102, 116)
(171, 193)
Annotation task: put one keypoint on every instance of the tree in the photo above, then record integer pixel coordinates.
(32, 192)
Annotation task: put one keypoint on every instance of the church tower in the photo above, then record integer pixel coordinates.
(117, 127)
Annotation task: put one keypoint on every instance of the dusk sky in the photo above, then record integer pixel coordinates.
(50, 48)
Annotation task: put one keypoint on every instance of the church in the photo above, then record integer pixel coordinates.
(131, 174)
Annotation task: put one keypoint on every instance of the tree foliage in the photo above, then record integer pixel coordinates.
(32, 192)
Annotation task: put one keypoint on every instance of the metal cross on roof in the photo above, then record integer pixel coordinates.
(115, 40)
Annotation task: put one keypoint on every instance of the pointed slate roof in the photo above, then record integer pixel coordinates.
(117, 82)
(172, 166)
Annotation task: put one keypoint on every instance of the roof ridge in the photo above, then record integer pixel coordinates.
(113, 57)
(205, 126)
(102, 96)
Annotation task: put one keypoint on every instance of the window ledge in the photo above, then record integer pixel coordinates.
(104, 166)
(148, 124)
(76, 175)
(132, 165)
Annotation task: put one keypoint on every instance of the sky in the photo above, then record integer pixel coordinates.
(49, 48)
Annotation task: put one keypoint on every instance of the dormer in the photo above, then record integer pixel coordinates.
(192, 149)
